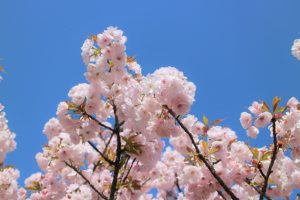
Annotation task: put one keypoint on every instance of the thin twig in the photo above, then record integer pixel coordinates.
(108, 143)
(202, 158)
(102, 155)
(125, 166)
(128, 172)
(177, 183)
(256, 189)
(274, 154)
(221, 194)
(98, 122)
(104, 151)
(262, 173)
(114, 189)
(86, 180)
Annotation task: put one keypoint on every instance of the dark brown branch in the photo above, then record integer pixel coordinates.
(202, 158)
(128, 172)
(114, 188)
(274, 154)
(102, 155)
(97, 121)
(262, 173)
(108, 143)
(125, 166)
(86, 180)
(104, 151)
(221, 194)
(256, 189)
(96, 165)
(148, 179)
(177, 183)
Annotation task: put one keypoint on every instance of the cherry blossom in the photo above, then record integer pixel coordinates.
(296, 49)
(122, 135)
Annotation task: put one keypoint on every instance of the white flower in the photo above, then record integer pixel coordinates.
(296, 49)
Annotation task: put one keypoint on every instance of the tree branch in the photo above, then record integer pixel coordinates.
(86, 180)
(177, 183)
(102, 155)
(108, 143)
(117, 165)
(128, 172)
(104, 151)
(97, 121)
(262, 173)
(221, 194)
(202, 158)
(256, 189)
(274, 154)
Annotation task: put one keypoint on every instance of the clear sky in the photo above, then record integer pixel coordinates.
(234, 51)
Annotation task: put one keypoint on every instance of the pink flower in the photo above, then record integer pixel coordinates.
(252, 132)
(295, 178)
(191, 174)
(246, 120)
(263, 119)
(41, 161)
(293, 102)
(33, 180)
(255, 108)
(181, 104)
(104, 40)
(296, 49)
(52, 128)
(240, 151)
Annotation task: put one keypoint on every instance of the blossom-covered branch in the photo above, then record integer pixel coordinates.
(87, 181)
(202, 158)
(126, 144)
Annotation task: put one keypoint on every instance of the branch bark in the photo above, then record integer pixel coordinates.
(102, 155)
(202, 158)
(117, 165)
(97, 121)
(221, 194)
(128, 172)
(274, 154)
(86, 180)
(256, 189)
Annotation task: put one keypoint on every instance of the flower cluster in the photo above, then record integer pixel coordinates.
(285, 132)
(8, 175)
(7, 138)
(123, 136)
(296, 49)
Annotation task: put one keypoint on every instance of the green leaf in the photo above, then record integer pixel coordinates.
(266, 156)
(97, 52)
(135, 184)
(71, 105)
(204, 145)
(131, 59)
(1, 68)
(6, 167)
(280, 109)
(271, 181)
(253, 184)
(123, 161)
(217, 121)
(132, 146)
(255, 152)
(265, 107)
(275, 102)
(213, 150)
(110, 63)
(205, 120)
(34, 187)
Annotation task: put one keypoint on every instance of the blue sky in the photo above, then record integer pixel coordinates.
(234, 51)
